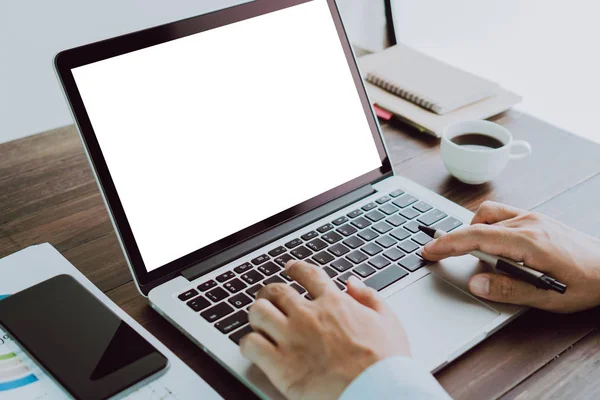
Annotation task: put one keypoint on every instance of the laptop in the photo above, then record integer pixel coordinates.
(229, 143)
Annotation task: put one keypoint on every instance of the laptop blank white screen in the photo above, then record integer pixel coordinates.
(209, 134)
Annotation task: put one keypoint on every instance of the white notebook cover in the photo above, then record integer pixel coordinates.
(426, 81)
(426, 120)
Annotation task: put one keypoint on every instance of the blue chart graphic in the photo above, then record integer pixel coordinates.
(13, 373)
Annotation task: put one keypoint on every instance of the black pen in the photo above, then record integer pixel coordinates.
(510, 267)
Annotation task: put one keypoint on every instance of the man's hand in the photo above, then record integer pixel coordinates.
(541, 243)
(315, 349)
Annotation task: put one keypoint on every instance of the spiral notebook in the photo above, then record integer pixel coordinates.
(427, 82)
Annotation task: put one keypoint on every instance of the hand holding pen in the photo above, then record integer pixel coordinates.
(564, 255)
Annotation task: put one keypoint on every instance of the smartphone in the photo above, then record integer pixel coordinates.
(78, 341)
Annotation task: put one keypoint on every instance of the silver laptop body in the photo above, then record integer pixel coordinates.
(272, 71)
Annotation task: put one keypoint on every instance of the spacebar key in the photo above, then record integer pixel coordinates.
(385, 278)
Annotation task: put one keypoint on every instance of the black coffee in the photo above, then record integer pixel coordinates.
(477, 140)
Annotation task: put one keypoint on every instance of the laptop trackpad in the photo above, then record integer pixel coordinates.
(438, 317)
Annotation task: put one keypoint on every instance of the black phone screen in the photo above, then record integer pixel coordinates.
(86, 348)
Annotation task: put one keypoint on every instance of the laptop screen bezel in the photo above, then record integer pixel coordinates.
(67, 60)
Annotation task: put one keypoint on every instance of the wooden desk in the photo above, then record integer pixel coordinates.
(48, 194)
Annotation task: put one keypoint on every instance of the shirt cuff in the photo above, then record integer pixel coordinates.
(394, 377)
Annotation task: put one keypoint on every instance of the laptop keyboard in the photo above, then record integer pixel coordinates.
(378, 243)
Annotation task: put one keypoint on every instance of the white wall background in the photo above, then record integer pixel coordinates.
(547, 50)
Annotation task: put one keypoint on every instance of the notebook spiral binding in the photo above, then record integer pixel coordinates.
(403, 93)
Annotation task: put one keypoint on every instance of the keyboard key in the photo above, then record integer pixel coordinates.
(353, 242)
(412, 226)
(277, 251)
(240, 300)
(383, 199)
(409, 213)
(354, 214)
(203, 287)
(386, 241)
(397, 193)
(405, 201)
(388, 209)
(341, 265)
(323, 258)
(368, 234)
(198, 304)
(361, 223)
(285, 276)
(345, 276)
(331, 237)
(273, 279)
(301, 252)
(269, 268)
(325, 228)
(187, 295)
(340, 286)
(293, 243)
(282, 259)
(253, 290)
(382, 227)
(364, 270)
(393, 254)
(237, 336)
(235, 285)
(338, 250)
(369, 206)
(379, 262)
(385, 278)
(356, 257)
(252, 277)
(346, 230)
(260, 259)
(330, 271)
(298, 288)
(422, 206)
(233, 322)
(316, 244)
(340, 220)
(375, 216)
(308, 297)
(243, 268)
(412, 262)
(217, 294)
(431, 217)
(448, 224)
(400, 234)
(396, 220)
(217, 312)
(422, 238)
(371, 249)
(408, 246)
(309, 235)
(226, 276)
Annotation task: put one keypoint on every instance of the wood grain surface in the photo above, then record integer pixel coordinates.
(48, 194)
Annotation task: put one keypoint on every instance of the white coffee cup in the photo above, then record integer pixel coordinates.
(474, 164)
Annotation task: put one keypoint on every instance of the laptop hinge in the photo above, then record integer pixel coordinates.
(275, 233)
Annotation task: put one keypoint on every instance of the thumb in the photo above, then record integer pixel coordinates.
(363, 294)
(504, 289)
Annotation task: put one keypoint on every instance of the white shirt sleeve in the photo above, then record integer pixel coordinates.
(393, 378)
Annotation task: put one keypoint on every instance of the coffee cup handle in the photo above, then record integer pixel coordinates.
(522, 144)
